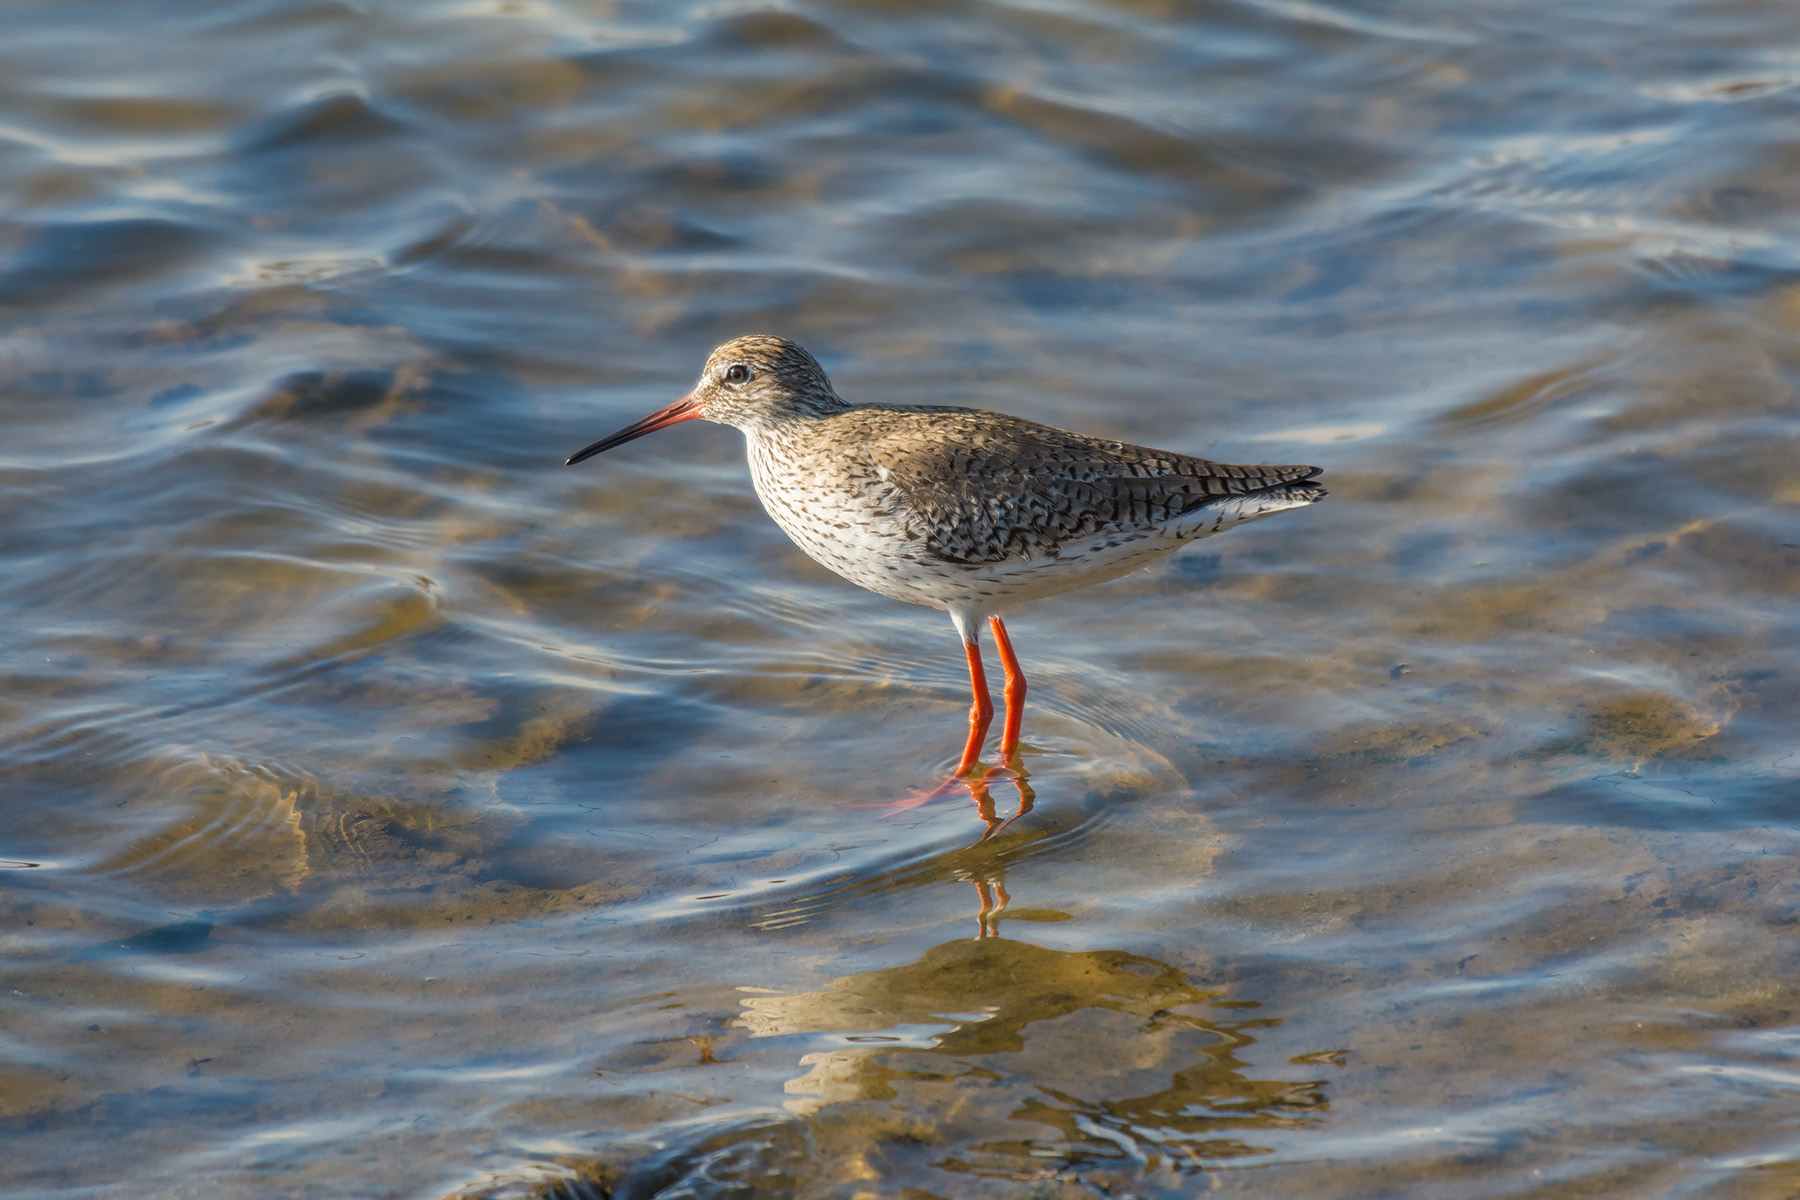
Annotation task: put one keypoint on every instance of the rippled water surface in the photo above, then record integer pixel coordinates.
(392, 812)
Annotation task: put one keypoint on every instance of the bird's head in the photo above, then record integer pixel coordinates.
(749, 382)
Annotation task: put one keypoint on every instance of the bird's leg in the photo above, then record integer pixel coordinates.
(1014, 693)
(982, 714)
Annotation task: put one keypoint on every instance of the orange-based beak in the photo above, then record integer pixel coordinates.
(685, 409)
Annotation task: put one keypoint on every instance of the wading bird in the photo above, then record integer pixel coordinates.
(969, 511)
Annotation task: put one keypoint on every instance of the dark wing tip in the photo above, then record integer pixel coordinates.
(1262, 479)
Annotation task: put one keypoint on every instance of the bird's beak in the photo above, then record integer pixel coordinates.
(685, 409)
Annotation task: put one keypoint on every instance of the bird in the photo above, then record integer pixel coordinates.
(969, 511)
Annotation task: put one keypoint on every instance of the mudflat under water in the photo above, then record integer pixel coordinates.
(391, 812)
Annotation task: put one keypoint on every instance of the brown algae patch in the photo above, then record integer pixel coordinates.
(238, 838)
(512, 739)
(1379, 743)
(1636, 727)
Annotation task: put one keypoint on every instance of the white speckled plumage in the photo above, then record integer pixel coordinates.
(876, 494)
(969, 511)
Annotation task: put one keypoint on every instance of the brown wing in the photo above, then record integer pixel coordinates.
(982, 487)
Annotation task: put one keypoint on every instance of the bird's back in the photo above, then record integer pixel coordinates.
(984, 487)
(944, 506)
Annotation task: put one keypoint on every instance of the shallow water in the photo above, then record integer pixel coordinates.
(393, 812)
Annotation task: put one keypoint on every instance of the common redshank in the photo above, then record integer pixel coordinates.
(969, 511)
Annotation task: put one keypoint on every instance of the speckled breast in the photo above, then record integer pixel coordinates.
(847, 518)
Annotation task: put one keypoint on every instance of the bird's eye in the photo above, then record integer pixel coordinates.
(737, 373)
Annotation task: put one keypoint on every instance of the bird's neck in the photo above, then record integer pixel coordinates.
(791, 418)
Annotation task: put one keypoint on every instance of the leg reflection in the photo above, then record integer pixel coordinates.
(977, 783)
(984, 801)
(989, 879)
(990, 884)
(994, 898)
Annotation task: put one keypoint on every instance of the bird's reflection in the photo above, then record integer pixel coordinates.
(975, 783)
(994, 898)
(1037, 1057)
(988, 876)
(985, 807)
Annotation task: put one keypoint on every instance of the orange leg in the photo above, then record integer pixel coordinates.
(981, 715)
(1014, 692)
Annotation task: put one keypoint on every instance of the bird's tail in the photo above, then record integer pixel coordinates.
(1219, 513)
